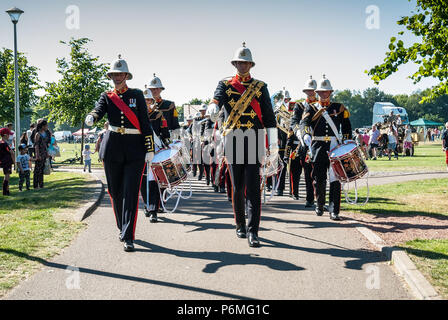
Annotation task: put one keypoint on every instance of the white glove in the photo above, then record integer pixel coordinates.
(90, 120)
(157, 141)
(212, 111)
(149, 156)
(307, 140)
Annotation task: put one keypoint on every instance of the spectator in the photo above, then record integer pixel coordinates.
(24, 166)
(87, 160)
(392, 142)
(373, 141)
(360, 141)
(23, 139)
(6, 158)
(445, 144)
(407, 145)
(12, 135)
(399, 121)
(428, 135)
(41, 147)
(53, 149)
(28, 138)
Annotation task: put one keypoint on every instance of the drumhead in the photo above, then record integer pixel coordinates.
(164, 155)
(342, 149)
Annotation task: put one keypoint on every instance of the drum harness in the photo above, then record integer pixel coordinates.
(338, 137)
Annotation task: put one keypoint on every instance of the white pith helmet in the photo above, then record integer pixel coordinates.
(243, 54)
(310, 84)
(324, 85)
(119, 66)
(156, 83)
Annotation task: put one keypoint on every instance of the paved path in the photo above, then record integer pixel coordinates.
(195, 254)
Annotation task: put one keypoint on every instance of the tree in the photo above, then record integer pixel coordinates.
(28, 84)
(430, 24)
(83, 80)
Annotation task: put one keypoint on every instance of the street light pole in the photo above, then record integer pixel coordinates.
(16, 95)
(15, 13)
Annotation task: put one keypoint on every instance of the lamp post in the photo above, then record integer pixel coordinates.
(15, 14)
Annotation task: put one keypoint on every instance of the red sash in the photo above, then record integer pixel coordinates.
(125, 109)
(254, 104)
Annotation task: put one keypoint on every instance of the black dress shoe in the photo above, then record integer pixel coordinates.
(335, 217)
(253, 240)
(222, 189)
(129, 246)
(319, 211)
(241, 232)
(153, 217)
(208, 182)
(119, 237)
(161, 210)
(229, 198)
(309, 204)
(147, 213)
(296, 197)
(215, 188)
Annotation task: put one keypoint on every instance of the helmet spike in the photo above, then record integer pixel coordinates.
(244, 44)
(154, 75)
(119, 57)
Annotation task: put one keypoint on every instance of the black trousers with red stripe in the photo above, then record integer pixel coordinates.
(152, 203)
(124, 177)
(295, 171)
(246, 186)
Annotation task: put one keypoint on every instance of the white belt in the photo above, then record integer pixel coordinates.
(124, 130)
(326, 139)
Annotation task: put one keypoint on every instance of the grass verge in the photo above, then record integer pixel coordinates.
(431, 258)
(427, 157)
(422, 197)
(30, 229)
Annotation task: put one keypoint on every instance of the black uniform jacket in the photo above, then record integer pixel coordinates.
(312, 120)
(125, 146)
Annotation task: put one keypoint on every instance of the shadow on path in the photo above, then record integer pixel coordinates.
(125, 277)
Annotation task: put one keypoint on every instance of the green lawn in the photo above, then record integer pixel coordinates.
(72, 150)
(427, 157)
(31, 230)
(402, 199)
(431, 258)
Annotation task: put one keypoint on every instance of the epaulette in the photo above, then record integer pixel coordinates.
(226, 80)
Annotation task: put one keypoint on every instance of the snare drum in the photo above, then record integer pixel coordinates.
(168, 169)
(347, 162)
(184, 154)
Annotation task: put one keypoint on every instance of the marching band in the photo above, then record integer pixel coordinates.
(241, 137)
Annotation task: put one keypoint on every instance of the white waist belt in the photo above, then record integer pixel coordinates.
(123, 130)
(326, 139)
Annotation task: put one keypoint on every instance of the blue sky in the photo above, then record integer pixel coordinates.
(189, 44)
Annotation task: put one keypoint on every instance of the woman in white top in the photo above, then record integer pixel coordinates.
(407, 140)
(392, 141)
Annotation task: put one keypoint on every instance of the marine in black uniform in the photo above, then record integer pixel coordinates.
(304, 161)
(206, 134)
(149, 189)
(243, 164)
(125, 150)
(170, 118)
(295, 155)
(322, 141)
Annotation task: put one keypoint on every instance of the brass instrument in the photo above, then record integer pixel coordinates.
(282, 114)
